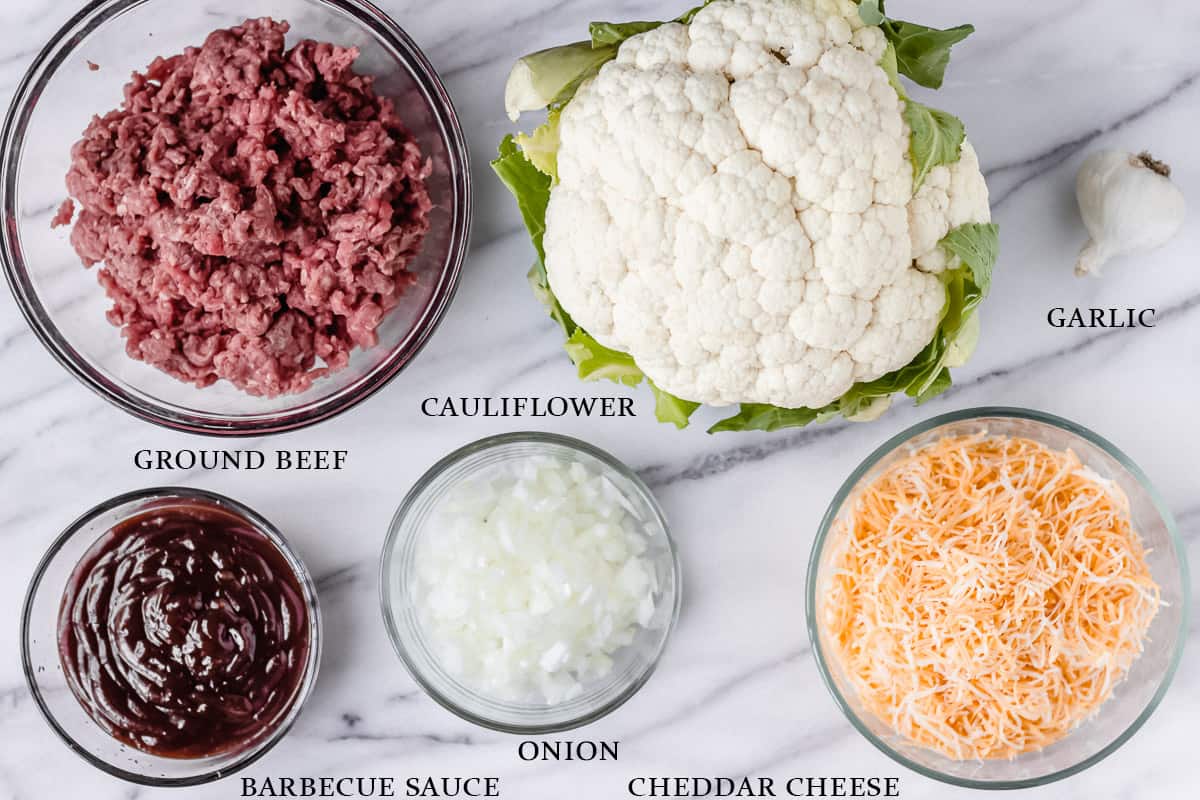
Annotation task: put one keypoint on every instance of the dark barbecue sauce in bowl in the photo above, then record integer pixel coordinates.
(184, 632)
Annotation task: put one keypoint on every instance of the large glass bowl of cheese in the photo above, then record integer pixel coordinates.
(998, 598)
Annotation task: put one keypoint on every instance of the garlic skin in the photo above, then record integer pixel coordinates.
(1128, 204)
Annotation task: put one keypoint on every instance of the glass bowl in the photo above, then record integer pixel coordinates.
(62, 300)
(1133, 700)
(43, 668)
(632, 665)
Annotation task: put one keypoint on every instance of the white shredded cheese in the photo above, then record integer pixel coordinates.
(531, 578)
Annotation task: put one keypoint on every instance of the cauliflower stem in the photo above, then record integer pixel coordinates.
(528, 166)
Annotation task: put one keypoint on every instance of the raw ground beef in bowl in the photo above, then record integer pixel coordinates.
(253, 210)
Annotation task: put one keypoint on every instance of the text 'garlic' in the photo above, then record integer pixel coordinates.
(532, 579)
(1128, 204)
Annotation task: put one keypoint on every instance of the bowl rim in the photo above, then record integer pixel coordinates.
(964, 415)
(167, 415)
(393, 543)
(312, 604)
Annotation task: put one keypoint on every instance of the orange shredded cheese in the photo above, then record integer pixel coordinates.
(986, 594)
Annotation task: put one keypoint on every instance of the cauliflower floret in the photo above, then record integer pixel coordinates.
(951, 195)
(735, 207)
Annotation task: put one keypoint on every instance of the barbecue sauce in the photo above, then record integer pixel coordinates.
(184, 632)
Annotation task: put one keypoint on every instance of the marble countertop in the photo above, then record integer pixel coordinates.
(1038, 86)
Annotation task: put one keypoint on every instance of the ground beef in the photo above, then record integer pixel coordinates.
(253, 209)
(66, 212)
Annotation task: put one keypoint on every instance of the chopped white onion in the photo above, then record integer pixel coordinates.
(530, 580)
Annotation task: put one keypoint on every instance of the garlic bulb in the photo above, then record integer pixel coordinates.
(1128, 204)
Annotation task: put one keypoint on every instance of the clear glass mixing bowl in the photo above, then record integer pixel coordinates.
(43, 667)
(632, 665)
(63, 302)
(1133, 700)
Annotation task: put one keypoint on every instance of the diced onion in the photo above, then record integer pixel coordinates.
(531, 579)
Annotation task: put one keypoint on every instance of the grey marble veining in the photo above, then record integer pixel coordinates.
(1039, 85)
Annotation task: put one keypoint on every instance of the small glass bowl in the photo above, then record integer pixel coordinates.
(43, 668)
(633, 664)
(62, 300)
(1133, 700)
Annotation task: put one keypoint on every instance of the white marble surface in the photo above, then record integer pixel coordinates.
(1041, 83)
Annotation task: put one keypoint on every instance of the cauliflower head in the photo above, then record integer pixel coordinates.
(736, 205)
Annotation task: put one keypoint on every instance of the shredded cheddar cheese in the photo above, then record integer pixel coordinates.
(985, 595)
